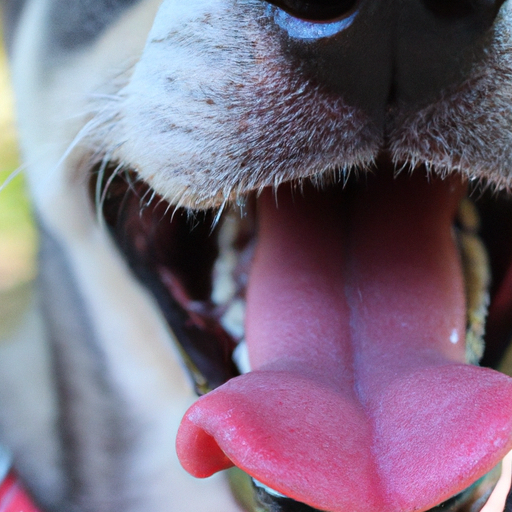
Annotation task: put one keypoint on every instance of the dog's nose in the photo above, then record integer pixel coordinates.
(316, 10)
(376, 53)
(437, 44)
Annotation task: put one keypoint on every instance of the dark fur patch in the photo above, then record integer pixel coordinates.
(92, 416)
(75, 23)
(11, 11)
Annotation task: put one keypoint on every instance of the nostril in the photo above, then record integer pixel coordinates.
(316, 10)
(462, 8)
(450, 8)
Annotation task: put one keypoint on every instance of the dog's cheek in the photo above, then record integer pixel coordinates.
(58, 100)
(185, 111)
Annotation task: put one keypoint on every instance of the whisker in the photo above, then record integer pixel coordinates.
(98, 193)
(111, 178)
(12, 176)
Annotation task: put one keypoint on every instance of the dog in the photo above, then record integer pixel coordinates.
(297, 210)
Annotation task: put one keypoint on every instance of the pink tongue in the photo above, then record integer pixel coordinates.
(359, 398)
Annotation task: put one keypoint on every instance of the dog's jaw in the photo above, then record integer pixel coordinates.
(143, 236)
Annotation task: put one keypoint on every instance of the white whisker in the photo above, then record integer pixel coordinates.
(14, 174)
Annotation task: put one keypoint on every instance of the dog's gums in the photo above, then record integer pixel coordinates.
(364, 301)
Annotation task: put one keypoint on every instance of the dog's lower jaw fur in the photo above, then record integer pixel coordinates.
(107, 430)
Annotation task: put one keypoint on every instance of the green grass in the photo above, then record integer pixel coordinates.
(17, 233)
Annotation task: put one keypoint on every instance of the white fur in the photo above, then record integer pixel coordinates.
(135, 338)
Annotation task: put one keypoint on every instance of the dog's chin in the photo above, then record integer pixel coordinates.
(349, 312)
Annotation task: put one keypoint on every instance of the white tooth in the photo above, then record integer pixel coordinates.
(241, 357)
(268, 490)
(233, 319)
(454, 337)
(224, 286)
(498, 498)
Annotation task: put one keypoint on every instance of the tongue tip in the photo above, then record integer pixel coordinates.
(251, 418)
(198, 452)
(423, 466)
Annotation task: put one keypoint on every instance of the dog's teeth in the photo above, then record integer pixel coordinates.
(224, 285)
(233, 319)
(268, 489)
(477, 279)
(241, 358)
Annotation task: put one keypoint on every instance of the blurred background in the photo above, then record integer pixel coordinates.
(17, 234)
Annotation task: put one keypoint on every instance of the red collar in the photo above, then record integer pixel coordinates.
(13, 497)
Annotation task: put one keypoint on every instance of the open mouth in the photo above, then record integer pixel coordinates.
(335, 331)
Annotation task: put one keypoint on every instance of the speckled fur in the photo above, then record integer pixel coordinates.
(230, 124)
